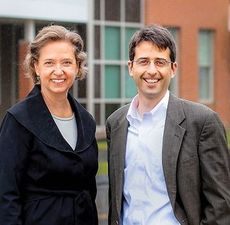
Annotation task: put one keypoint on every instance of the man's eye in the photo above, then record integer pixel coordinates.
(143, 62)
(159, 62)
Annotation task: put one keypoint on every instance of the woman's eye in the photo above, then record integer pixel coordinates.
(48, 63)
(67, 63)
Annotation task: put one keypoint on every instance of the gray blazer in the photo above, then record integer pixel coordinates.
(196, 163)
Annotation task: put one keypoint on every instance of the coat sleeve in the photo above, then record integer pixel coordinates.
(14, 145)
(215, 172)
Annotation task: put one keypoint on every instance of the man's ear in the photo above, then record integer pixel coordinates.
(130, 67)
(174, 69)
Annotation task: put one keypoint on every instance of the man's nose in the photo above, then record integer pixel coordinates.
(151, 69)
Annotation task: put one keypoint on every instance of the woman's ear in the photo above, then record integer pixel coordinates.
(36, 68)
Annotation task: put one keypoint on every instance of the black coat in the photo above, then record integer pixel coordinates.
(42, 180)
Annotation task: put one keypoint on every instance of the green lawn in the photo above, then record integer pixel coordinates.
(102, 168)
(103, 165)
(228, 137)
(102, 145)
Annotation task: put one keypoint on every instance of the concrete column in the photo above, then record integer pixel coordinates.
(90, 53)
(29, 27)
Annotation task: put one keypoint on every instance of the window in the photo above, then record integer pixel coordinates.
(97, 42)
(206, 66)
(130, 87)
(112, 43)
(129, 31)
(112, 82)
(97, 9)
(132, 10)
(10, 35)
(113, 26)
(112, 10)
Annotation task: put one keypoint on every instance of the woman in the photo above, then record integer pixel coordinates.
(48, 150)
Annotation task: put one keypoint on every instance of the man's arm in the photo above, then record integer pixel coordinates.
(215, 172)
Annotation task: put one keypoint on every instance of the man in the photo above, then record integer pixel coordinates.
(168, 158)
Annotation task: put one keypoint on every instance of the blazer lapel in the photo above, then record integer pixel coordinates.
(172, 139)
(118, 155)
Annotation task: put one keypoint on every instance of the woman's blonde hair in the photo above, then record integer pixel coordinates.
(54, 33)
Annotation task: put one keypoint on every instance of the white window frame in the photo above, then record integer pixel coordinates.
(211, 68)
(102, 62)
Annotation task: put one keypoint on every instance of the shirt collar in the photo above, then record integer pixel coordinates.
(133, 112)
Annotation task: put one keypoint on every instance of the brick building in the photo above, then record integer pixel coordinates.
(203, 39)
(199, 27)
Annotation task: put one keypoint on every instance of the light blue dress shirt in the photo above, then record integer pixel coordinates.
(146, 200)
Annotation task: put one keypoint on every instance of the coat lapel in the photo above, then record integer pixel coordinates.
(35, 116)
(172, 139)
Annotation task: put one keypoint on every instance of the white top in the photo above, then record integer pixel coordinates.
(146, 200)
(68, 129)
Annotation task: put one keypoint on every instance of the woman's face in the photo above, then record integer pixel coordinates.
(57, 68)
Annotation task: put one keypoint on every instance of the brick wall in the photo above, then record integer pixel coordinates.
(189, 17)
(25, 82)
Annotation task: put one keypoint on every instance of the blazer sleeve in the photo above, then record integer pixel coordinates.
(215, 172)
(108, 130)
(14, 145)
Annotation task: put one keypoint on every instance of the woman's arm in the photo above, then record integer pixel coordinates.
(14, 145)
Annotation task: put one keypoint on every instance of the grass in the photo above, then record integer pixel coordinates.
(102, 168)
(102, 146)
(103, 165)
(228, 137)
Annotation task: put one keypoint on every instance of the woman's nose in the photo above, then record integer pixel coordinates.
(58, 70)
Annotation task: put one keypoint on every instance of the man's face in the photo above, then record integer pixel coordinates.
(151, 70)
